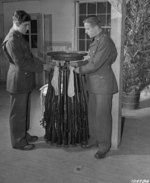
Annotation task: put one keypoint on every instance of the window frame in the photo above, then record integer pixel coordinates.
(77, 25)
(30, 34)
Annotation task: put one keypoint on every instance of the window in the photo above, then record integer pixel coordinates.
(32, 35)
(102, 10)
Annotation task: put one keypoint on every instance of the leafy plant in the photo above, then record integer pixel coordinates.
(136, 64)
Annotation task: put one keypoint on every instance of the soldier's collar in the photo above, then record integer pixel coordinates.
(96, 38)
(16, 32)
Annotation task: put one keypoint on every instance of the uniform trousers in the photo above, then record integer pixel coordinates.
(100, 119)
(19, 118)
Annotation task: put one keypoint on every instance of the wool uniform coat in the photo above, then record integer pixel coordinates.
(23, 66)
(20, 83)
(100, 77)
(101, 85)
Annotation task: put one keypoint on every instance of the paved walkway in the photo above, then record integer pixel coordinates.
(48, 164)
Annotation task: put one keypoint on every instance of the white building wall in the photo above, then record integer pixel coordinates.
(62, 15)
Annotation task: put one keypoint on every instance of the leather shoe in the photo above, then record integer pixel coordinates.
(100, 154)
(31, 138)
(27, 147)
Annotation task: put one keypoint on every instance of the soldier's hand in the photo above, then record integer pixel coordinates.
(87, 57)
(74, 64)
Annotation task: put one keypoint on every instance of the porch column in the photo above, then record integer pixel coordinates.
(117, 32)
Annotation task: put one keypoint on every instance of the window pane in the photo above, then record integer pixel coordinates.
(108, 20)
(33, 26)
(33, 41)
(81, 18)
(101, 8)
(81, 33)
(108, 7)
(91, 8)
(102, 19)
(81, 45)
(82, 8)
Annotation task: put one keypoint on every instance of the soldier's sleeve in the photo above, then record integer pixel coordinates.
(99, 58)
(81, 63)
(25, 62)
(113, 53)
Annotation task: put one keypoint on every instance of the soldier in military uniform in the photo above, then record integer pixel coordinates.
(101, 85)
(20, 80)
